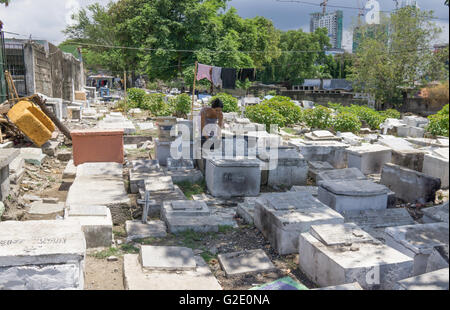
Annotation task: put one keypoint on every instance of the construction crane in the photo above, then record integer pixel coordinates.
(360, 12)
(324, 5)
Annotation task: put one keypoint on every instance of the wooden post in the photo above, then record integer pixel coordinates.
(193, 90)
(37, 100)
(125, 82)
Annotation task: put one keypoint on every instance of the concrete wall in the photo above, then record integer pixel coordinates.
(53, 73)
(324, 98)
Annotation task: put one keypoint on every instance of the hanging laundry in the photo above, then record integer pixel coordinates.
(229, 78)
(249, 73)
(217, 76)
(204, 72)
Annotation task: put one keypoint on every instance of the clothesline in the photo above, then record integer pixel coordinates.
(224, 77)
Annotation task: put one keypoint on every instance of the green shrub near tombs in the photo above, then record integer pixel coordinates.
(156, 104)
(347, 122)
(318, 118)
(263, 114)
(390, 113)
(230, 104)
(439, 123)
(182, 105)
(368, 116)
(286, 107)
(136, 97)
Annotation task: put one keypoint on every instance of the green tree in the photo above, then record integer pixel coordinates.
(302, 53)
(388, 62)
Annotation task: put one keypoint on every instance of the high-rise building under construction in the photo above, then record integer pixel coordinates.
(333, 21)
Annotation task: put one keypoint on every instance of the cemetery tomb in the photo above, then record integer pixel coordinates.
(352, 195)
(233, 177)
(96, 223)
(167, 268)
(340, 254)
(369, 158)
(289, 168)
(333, 152)
(42, 255)
(281, 217)
(436, 280)
(418, 241)
(410, 185)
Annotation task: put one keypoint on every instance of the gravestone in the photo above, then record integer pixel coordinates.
(42, 255)
(436, 280)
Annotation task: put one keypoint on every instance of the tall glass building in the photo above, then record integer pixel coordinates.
(333, 21)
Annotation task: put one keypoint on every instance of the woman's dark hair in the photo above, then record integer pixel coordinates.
(217, 103)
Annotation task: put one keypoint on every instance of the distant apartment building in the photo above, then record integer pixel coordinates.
(333, 21)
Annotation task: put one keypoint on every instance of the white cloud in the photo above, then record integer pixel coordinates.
(42, 19)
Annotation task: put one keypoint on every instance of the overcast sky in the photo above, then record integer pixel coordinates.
(45, 19)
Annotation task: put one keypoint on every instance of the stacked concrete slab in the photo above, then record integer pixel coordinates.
(42, 255)
(316, 167)
(101, 184)
(167, 268)
(282, 217)
(141, 170)
(341, 254)
(117, 121)
(16, 170)
(333, 152)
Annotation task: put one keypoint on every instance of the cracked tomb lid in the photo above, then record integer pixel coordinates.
(355, 188)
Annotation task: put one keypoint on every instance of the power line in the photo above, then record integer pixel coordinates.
(344, 7)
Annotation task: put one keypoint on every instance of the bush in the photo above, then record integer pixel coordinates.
(369, 116)
(182, 105)
(230, 104)
(156, 105)
(347, 122)
(439, 123)
(390, 113)
(319, 117)
(263, 114)
(136, 97)
(283, 105)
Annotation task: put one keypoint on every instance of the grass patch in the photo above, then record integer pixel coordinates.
(192, 239)
(290, 130)
(106, 253)
(225, 229)
(191, 189)
(208, 257)
(129, 249)
(119, 233)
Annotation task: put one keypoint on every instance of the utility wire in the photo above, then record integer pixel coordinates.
(344, 7)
